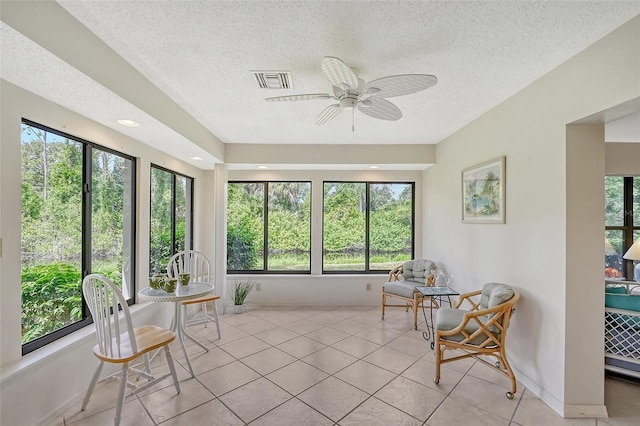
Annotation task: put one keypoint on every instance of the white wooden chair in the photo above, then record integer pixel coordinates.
(198, 265)
(119, 342)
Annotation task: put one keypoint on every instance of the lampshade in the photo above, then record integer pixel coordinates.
(634, 251)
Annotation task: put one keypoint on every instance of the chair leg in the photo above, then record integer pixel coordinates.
(436, 379)
(172, 367)
(205, 314)
(147, 363)
(415, 310)
(384, 300)
(92, 385)
(215, 314)
(512, 376)
(122, 387)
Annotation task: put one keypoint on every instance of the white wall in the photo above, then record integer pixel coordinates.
(536, 250)
(622, 159)
(39, 383)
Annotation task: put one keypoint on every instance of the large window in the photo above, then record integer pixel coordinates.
(77, 218)
(622, 224)
(367, 227)
(171, 226)
(268, 227)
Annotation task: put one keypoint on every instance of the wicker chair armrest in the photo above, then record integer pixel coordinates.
(468, 297)
(395, 273)
(495, 313)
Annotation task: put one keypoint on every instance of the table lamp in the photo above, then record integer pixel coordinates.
(634, 254)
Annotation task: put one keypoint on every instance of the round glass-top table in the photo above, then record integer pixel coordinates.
(183, 292)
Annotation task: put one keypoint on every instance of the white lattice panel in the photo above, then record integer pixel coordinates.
(622, 333)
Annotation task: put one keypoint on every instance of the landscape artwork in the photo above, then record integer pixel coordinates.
(483, 192)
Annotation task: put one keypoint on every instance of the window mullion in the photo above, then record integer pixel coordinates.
(173, 214)
(367, 216)
(87, 202)
(265, 226)
(628, 223)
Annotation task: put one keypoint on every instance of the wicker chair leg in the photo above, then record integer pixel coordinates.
(416, 303)
(510, 373)
(436, 379)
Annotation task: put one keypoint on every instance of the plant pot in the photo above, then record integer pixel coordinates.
(238, 309)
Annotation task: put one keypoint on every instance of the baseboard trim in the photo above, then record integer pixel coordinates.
(533, 387)
(567, 411)
(582, 411)
(59, 412)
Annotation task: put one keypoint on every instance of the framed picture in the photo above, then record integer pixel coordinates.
(483, 192)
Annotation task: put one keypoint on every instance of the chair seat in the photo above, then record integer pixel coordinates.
(450, 318)
(202, 299)
(401, 288)
(148, 338)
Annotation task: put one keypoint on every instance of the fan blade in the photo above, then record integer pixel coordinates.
(338, 73)
(305, 97)
(328, 113)
(380, 108)
(399, 85)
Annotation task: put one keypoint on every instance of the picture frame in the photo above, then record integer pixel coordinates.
(483, 192)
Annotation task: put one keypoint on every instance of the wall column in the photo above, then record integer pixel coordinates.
(584, 325)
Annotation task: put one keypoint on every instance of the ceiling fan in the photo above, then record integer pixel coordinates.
(369, 98)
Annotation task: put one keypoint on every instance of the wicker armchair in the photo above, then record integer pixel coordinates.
(480, 331)
(402, 283)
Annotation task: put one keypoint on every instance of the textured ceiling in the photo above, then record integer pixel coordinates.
(200, 53)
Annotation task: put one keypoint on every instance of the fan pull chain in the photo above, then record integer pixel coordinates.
(353, 119)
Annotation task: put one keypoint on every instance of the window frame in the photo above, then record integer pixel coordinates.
(367, 250)
(188, 244)
(86, 255)
(627, 227)
(265, 229)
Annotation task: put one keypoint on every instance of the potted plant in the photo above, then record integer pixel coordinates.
(240, 291)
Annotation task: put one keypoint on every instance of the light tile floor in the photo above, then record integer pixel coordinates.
(332, 366)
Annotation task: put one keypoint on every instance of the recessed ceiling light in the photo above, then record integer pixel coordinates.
(129, 123)
(374, 167)
(263, 167)
(195, 158)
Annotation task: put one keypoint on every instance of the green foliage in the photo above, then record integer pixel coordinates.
(241, 290)
(245, 212)
(614, 201)
(160, 226)
(241, 253)
(51, 298)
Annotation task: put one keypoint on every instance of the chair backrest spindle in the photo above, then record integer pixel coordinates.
(105, 301)
(193, 262)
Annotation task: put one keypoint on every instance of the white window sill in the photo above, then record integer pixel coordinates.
(55, 349)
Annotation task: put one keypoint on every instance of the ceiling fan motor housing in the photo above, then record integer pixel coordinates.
(349, 101)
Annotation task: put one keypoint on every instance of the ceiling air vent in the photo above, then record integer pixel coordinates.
(273, 79)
